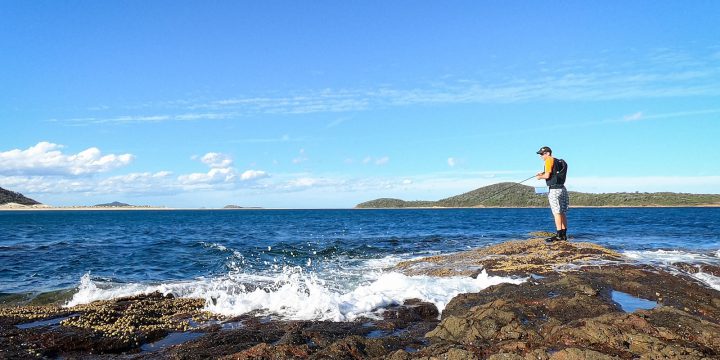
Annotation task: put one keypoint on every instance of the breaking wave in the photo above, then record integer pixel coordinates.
(296, 294)
(671, 256)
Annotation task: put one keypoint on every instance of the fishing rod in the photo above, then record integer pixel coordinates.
(503, 190)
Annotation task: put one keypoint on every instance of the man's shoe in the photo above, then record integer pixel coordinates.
(553, 239)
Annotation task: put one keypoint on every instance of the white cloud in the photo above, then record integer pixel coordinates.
(253, 174)
(692, 184)
(217, 160)
(62, 182)
(379, 161)
(382, 161)
(46, 158)
(304, 182)
(215, 175)
(133, 183)
(319, 190)
(451, 162)
(634, 117)
(160, 182)
(221, 171)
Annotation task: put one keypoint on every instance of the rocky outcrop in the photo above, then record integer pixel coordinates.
(581, 307)
(576, 310)
(511, 258)
(100, 327)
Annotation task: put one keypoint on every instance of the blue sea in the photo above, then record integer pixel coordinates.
(309, 264)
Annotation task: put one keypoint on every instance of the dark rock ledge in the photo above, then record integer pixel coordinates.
(575, 313)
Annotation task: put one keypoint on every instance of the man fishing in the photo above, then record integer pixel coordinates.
(554, 174)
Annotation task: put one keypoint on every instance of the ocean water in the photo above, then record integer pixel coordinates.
(309, 264)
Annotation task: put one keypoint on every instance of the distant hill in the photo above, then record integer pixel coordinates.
(7, 196)
(516, 195)
(113, 204)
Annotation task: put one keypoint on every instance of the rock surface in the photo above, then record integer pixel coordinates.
(511, 258)
(576, 310)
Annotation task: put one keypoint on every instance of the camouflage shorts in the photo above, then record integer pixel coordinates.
(559, 200)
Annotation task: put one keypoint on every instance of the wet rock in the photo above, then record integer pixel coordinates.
(437, 352)
(575, 310)
(24, 314)
(412, 310)
(324, 333)
(351, 347)
(229, 342)
(580, 354)
(713, 270)
(510, 258)
(266, 351)
(101, 327)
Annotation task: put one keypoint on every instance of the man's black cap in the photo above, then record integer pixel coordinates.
(544, 149)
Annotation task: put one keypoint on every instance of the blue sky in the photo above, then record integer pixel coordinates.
(328, 104)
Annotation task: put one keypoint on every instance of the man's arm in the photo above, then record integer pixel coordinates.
(548, 169)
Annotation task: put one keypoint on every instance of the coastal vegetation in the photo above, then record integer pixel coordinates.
(509, 194)
(8, 197)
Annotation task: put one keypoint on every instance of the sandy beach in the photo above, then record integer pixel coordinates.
(43, 207)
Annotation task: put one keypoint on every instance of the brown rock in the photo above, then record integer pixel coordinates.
(514, 257)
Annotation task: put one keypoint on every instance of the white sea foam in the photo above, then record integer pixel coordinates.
(295, 294)
(710, 280)
(669, 257)
(217, 246)
(89, 291)
(384, 262)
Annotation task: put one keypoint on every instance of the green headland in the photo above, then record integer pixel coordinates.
(514, 195)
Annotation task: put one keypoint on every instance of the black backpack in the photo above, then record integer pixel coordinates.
(560, 171)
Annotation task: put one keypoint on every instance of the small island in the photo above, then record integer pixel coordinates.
(114, 204)
(238, 207)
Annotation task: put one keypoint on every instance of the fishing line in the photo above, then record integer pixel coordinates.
(505, 189)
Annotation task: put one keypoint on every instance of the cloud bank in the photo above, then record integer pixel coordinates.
(46, 158)
(45, 169)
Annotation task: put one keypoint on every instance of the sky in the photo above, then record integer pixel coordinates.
(326, 104)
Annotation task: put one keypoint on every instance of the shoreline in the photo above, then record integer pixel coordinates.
(547, 207)
(163, 208)
(576, 300)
